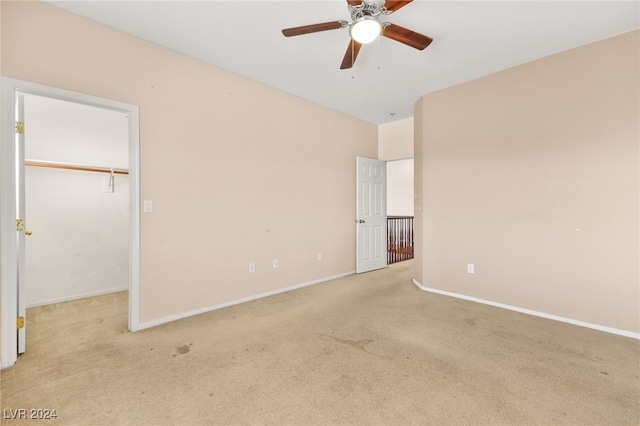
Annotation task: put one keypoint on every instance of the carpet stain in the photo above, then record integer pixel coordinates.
(345, 385)
(469, 321)
(184, 349)
(357, 344)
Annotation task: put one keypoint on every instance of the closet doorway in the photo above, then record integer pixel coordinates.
(74, 192)
(76, 201)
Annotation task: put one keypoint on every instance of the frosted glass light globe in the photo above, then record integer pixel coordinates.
(365, 30)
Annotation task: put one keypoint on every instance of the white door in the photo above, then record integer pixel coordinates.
(21, 221)
(371, 223)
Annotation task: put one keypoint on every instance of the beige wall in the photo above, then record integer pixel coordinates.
(395, 140)
(532, 175)
(237, 171)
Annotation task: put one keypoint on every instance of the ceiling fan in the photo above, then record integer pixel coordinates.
(365, 26)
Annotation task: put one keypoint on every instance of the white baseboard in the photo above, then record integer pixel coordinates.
(76, 297)
(164, 320)
(531, 312)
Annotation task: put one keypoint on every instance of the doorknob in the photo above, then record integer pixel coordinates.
(360, 221)
(28, 232)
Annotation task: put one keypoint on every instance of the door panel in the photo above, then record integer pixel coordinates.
(371, 223)
(20, 214)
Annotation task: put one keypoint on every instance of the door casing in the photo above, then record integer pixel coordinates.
(20, 213)
(8, 196)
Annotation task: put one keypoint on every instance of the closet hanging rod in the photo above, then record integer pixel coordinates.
(54, 165)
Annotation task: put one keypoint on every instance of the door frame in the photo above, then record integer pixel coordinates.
(8, 249)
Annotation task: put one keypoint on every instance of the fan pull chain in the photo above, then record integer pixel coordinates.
(379, 56)
(353, 51)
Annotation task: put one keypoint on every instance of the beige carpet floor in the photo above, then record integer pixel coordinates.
(365, 349)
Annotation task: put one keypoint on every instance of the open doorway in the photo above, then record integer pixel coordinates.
(400, 210)
(84, 235)
(76, 200)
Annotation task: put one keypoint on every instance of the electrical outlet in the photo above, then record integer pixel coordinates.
(275, 263)
(252, 268)
(470, 268)
(319, 256)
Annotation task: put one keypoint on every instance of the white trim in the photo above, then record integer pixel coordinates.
(8, 246)
(8, 259)
(164, 320)
(531, 312)
(76, 297)
(134, 219)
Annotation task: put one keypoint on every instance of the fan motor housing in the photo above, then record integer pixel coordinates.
(364, 9)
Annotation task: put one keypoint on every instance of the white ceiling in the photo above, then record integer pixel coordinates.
(471, 39)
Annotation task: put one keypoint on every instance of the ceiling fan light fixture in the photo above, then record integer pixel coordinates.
(365, 26)
(365, 30)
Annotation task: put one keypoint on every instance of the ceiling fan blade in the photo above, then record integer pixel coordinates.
(313, 28)
(351, 54)
(408, 37)
(354, 2)
(392, 6)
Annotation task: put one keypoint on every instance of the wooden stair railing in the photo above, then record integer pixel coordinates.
(399, 238)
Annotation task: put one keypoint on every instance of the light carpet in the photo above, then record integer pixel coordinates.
(363, 349)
